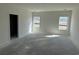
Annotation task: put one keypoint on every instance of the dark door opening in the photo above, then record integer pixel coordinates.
(13, 26)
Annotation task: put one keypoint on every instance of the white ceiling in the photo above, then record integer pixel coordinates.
(36, 7)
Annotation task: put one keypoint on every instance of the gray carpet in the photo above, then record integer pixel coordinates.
(40, 45)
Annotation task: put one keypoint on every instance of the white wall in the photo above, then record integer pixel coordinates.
(50, 21)
(75, 27)
(25, 18)
(4, 26)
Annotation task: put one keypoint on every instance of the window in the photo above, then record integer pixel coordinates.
(36, 23)
(63, 22)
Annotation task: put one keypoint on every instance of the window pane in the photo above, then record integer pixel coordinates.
(36, 24)
(63, 20)
(62, 27)
(36, 20)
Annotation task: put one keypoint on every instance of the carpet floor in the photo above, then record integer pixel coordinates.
(40, 45)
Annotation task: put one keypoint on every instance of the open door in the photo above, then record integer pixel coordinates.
(13, 26)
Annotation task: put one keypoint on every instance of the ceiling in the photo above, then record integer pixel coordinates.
(37, 7)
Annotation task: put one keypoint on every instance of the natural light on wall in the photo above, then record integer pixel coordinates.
(30, 28)
(63, 22)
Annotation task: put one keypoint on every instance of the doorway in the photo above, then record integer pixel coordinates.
(13, 26)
